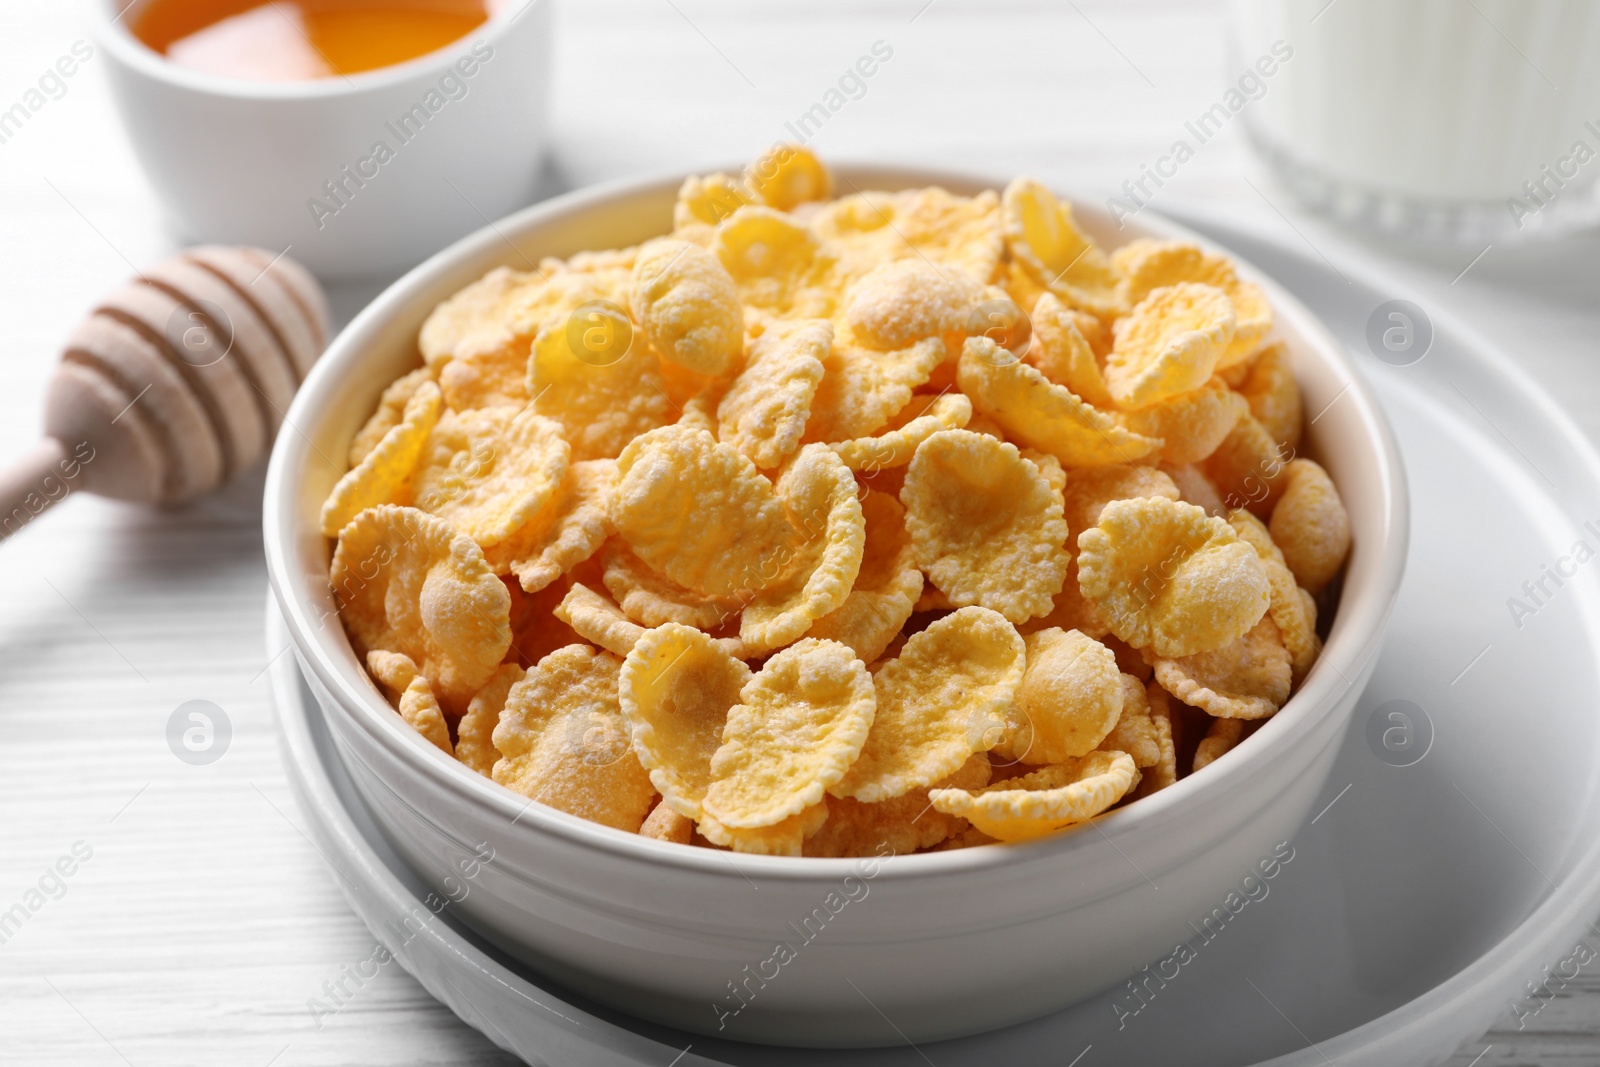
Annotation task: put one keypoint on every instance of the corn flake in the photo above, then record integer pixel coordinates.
(861, 390)
(1310, 525)
(1223, 736)
(985, 524)
(942, 699)
(391, 409)
(916, 422)
(902, 302)
(1274, 397)
(819, 495)
(775, 261)
(650, 598)
(1063, 355)
(788, 176)
(412, 695)
(1069, 699)
(664, 823)
(763, 414)
(1164, 771)
(475, 732)
(785, 838)
(1036, 411)
(886, 587)
(1190, 425)
(384, 474)
(407, 582)
(1248, 679)
(687, 306)
(676, 688)
(1042, 236)
(489, 471)
(600, 408)
(700, 512)
(1168, 344)
(568, 529)
(1135, 731)
(1169, 577)
(932, 224)
(564, 742)
(1044, 801)
(799, 725)
(1292, 609)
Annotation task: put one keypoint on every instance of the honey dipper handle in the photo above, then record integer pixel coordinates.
(28, 487)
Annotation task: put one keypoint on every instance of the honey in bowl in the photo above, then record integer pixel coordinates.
(300, 40)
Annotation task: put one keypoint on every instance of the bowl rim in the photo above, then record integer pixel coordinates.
(112, 32)
(1352, 645)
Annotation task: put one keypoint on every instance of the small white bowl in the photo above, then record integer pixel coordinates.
(811, 951)
(248, 162)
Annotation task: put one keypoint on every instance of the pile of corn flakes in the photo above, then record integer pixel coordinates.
(822, 525)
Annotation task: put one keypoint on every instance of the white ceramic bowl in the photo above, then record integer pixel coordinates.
(247, 162)
(940, 944)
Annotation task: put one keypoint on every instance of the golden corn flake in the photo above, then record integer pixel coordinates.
(687, 306)
(407, 582)
(478, 319)
(774, 260)
(564, 743)
(1164, 771)
(1247, 467)
(1036, 411)
(489, 471)
(894, 827)
(1292, 609)
(599, 406)
(932, 224)
(700, 512)
(598, 620)
(412, 696)
(1248, 679)
(475, 732)
(861, 390)
(1168, 344)
(763, 414)
(1042, 236)
(784, 838)
(704, 201)
(568, 529)
(664, 823)
(1049, 799)
(900, 303)
(985, 524)
(391, 409)
(787, 176)
(1169, 577)
(384, 474)
(535, 630)
(916, 422)
(650, 598)
(1310, 525)
(1223, 736)
(1274, 396)
(799, 725)
(676, 688)
(1135, 731)
(819, 496)
(1191, 425)
(1147, 265)
(1069, 699)
(1062, 354)
(886, 587)
(1090, 489)
(943, 698)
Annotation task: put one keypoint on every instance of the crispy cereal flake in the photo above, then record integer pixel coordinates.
(943, 698)
(1309, 523)
(799, 725)
(489, 471)
(985, 524)
(1049, 799)
(1069, 699)
(383, 475)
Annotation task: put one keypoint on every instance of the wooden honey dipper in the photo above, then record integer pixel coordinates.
(178, 381)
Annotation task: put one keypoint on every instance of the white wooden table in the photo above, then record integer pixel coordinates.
(203, 920)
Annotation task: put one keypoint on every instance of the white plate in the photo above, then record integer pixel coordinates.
(1418, 901)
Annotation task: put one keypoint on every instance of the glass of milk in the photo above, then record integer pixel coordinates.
(1444, 120)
